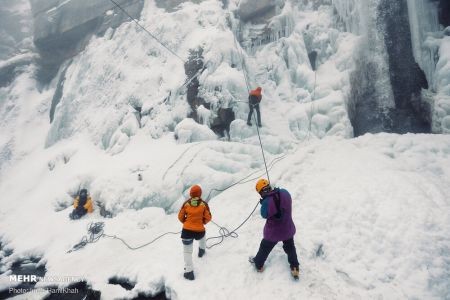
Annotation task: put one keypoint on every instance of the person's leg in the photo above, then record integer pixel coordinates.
(250, 113)
(73, 215)
(227, 131)
(82, 213)
(289, 248)
(264, 250)
(188, 245)
(258, 114)
(201, 247)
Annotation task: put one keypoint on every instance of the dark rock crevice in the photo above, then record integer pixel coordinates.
(7, 75)
(58, 93)
(365, 113)
(370, 109)
(444, 12)
(159, 296)
(123, 282)
(55, 49)
(194, 65)
(407, 79)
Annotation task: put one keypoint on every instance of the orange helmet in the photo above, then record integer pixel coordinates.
(196, 191)
(261, 184)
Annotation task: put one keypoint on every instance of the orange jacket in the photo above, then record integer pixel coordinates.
(194, 217)
(256, 92)
(88, 206)
(255, 96)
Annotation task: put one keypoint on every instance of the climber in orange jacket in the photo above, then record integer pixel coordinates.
(82, 205)
(194, 214)
(254, 99)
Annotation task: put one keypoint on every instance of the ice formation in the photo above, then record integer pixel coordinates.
(371, 211)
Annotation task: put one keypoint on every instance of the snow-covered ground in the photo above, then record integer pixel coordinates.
(372, 213)
(378, 205)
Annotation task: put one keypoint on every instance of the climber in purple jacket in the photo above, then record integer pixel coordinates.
(276, 208)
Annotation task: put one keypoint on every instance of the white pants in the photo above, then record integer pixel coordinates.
(188, 248)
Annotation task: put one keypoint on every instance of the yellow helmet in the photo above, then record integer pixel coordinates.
(261, 184)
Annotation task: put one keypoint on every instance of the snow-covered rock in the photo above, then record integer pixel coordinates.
(371, 212)
(188, 131)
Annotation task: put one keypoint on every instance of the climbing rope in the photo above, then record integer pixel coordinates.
(224, 232)
(96, 232)
(96, 229)
(178, 159)
(142, 246)
(245, 72)
(148, 32)
(312, 59)
(246, 179)
(311, 113)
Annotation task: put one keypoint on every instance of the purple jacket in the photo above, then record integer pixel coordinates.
(279, 227)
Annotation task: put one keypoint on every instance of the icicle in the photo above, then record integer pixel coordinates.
(423, 20)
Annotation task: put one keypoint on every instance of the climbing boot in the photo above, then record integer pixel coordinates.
(295, 272)
(252, 261)
(189, 275)
(201, 252)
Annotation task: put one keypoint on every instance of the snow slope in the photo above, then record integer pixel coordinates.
(372, 213)
(377, 204)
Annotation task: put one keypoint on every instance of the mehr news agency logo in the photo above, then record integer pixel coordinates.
(33, 279)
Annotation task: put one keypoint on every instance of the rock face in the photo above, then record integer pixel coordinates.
(63, 27)
(365, 112)
(444, 12)
(411, 114)
(256, 9)
(386, 93)
(171, 5)
(10, 68)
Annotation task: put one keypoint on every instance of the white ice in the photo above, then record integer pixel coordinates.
(377, 205)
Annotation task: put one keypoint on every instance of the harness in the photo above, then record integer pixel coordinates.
(254, 99)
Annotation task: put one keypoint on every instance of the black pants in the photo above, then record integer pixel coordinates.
(192, 235)
(250, 113)
(77, 213)
(266, 247)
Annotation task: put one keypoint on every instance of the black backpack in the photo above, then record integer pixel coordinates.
(277, 200)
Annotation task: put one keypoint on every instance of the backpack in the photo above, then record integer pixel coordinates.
(277, 200)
